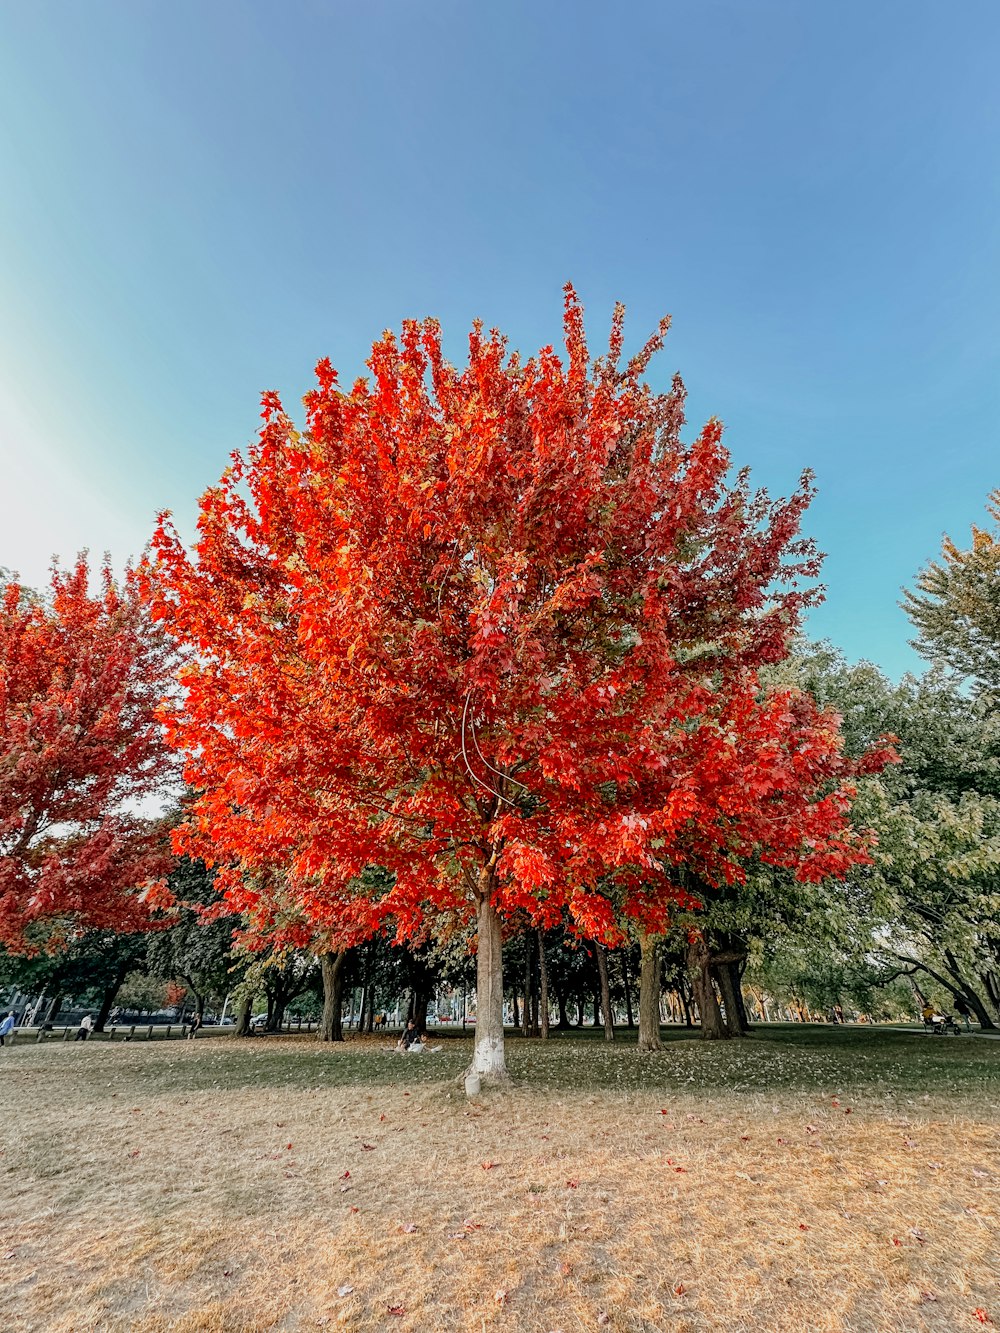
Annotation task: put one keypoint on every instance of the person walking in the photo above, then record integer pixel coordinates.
(963, 1011)
(85, 1029)
(7, 1027)
(194, 1025)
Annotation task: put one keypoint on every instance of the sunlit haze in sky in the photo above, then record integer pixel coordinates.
(198, 201)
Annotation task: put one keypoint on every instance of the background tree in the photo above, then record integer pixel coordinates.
(931, 899)
(956, 608)
(84, 968)
(198, 948)
(81, 751)
(495, 630)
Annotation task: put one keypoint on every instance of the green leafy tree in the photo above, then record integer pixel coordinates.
(956, 607)
(199, 948)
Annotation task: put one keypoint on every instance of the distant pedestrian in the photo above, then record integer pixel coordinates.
(193, 1026)
(7, 1027)
(963, 1011)
(85, 1029)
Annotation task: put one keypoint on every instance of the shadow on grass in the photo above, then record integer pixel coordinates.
(776, 1058)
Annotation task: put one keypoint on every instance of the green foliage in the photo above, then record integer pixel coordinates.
(956, 608)
(198, 949)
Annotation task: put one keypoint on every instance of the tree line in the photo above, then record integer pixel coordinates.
(491, 667)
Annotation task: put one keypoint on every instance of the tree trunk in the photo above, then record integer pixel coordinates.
(55, 1004)
(685, 1003)
(421, 1003)
(243, 1012)
(488, 1055)
(968, 993)
(526, 1012)
(332, 968)
(628, 989)
(108, 998)
(649, 994)
(543, 988)
(602, 971)
(712, 1028)
(729, 983)
(515, 1012)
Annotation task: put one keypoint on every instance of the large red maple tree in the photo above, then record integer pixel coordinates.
(495, 629)
(82, 755)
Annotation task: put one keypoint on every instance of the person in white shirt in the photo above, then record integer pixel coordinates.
(85, 1029)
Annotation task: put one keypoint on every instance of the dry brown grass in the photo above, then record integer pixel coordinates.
(134, 1200)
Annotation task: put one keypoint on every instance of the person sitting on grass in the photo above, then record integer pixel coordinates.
(410, 1036)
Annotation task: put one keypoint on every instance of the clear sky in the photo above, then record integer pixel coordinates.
(198, 200)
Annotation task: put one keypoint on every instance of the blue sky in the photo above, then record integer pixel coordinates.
(197, 201)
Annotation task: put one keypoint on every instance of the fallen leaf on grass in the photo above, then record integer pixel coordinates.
(980, 1314)
(926, 1297)
(572, 1184)
(368, 1147)
(680, 1289)
(344, 1291)
(397, 1310)
(487, 1166)
(11, 1254)
(346, 1175)
(470, 1225)
(917, 1234)
(604, 1318)
(408, 1228)
(500, 1297)
(812, 1129)
(803, 1227)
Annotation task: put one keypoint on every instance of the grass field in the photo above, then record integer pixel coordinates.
(807, 1179)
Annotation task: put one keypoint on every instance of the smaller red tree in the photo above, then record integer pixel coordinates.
(81, 754)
